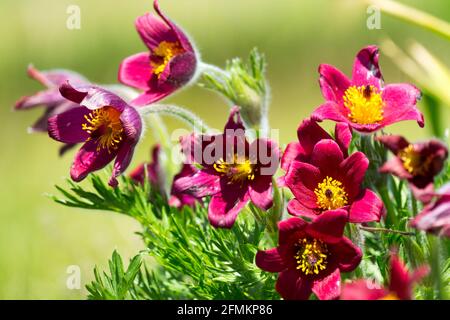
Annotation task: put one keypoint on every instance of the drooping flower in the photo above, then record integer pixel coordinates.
(156, 176)
(309, 133)
(50, 98)
(233, 171)
(331, 182)
(435, 217)
(170, 63)
(311, 256)
(400, 285)
(418, 163)
(107, 125)
(364, 102)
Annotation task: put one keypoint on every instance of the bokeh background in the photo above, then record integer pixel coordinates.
(40, 239)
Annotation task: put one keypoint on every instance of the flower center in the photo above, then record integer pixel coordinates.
(365, 104)
(413, 162)
(240, 170)
(162, 55)
(105, 127)
(331, 194)
(311, 255)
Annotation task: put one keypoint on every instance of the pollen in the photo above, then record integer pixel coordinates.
(311, 256)
(413, 162)
(365, 104)
(331, 194)
(240, 170)
(105, 127)
(162, 55)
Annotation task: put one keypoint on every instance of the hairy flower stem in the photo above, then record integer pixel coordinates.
(205, 68)
(385, 230)
(177, 112)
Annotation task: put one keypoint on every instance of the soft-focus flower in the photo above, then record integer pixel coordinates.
(233, 171)
(435, 217)
(156, 176)
(50, 98)
(108, 126)
(331, 182)
(364, 102)
(309, 133)
(311, 256)
(418, 163)
(170, 63)
(400, 284)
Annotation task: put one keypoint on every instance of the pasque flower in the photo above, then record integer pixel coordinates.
(233, 171)
(107, 125)
(156, 176)
(311, 256)
(170, 63)
(435, 217)
(331, 182)
(363, 101)
(309, 133)
(50, 98)
(400, 284)
(418, 163)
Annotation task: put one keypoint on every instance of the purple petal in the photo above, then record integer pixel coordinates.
(150, 97)
(154, 30)
(328, 288)
(366, 70)
(136, 71)
(366, 208)
(49, 98)
(302, 179)
(400, 104)
(292, 287)
(261, 192)
(67, 126)
(200, 184)
(393, 142)
(179, 71)
(124, 156)
(225, 206)
(270, 260)
(333, 83)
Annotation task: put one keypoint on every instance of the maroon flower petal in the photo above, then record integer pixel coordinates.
(224, 208)
(367, 207)
(50, 97)
(179, 71)
(328, 226)
(400, 104)
(333, 83)
(400, 282)
(302, 179)
(393, 142)
(353, 170)
(395, 166)
(234, 120)
(295, 208)
(366, 70)
(151, 96)
(292, 152)
(343, 136)
(287, 227)
(331, 111)
(362, 289)
(261, 192)
(347, 255)
(309, 133)
(136, 71)
(326, 156)
(154, 30)
(270, 260)
(328, 288)
(67, 126)
(292, 287)
(88, 160)
(124, 157)
(201, 184)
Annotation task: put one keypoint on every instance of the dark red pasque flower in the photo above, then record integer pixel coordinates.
(364, 102)
(109, 128)
(170, 63)
(311, 256)
(309, 133)
(331, 182)
(400, 285)
(233, 171)
(418, 163)
(435, 217)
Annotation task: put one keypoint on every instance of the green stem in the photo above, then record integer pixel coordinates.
(385, 230)
(413, 16)
(391, 217)
(435, 266)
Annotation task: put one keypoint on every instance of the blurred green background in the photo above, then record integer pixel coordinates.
(40, 239)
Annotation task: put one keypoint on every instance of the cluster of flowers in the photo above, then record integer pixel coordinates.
(325, 180)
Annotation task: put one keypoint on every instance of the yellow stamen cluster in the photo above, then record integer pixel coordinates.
(311, 256)
(390, 296)
(331, 194)
(162, 55)
(105, 127)
(365, 104)
(413, 162)
(240, 170)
